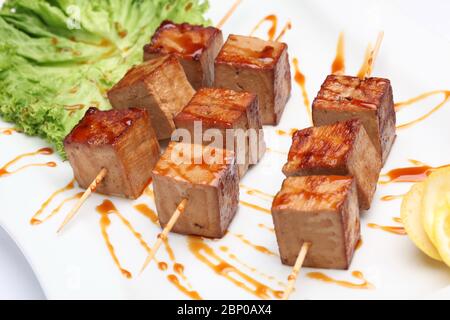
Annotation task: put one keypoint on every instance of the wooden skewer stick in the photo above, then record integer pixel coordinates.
(296, 270)
(83, 198)
(163, 235)
(374, 54)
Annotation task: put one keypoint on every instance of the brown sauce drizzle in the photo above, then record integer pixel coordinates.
(392, 197)
(163, 266)
(287, 26)
(273, 20)
(204, 253)
(178, 268)
(74, 90)
(410, 174)
(359, 244)
(149, 213)
(300, 79)
(284, 133)
(35, 219)
(7, 131)
(257, 193)
(120, 30)
(398, 220)
(258, 248)
(347, 284)
(44, 151)
(255, 207)
(338, 66)
(263, 226)
(105, 209)
(251, 268)
(391, 229)
(228, 14)
(176, 282)
(260, 194)
(73, 108)
(403, 104)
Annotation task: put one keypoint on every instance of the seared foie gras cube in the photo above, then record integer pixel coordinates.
(370, 100)
(160, 86)
(196, 47)
(343, 148)
(258, 66)
(208, 178)
(233, 117)
(322, 210)
(123, 142)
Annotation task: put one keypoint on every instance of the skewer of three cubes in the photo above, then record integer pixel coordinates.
(333, 170)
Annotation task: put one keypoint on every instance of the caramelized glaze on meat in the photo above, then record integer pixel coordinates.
(324, 147)
(312, 193)
(103, 127)
(251, 52)
(351, 92)
(185, 40)
(196, 164)
(141, 72)
(217, 107)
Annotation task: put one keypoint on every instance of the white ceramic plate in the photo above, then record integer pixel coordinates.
(78, 265)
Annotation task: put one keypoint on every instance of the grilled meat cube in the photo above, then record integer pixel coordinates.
(123, 142)
(343, 148)
(208, 178)
(370, 100)
(235, 116)
(258, 66)
(322, 210)
(160, 86)
(196, 47)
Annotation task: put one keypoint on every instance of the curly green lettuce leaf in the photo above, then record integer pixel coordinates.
(59, 57)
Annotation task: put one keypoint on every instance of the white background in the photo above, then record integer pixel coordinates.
(17, 280)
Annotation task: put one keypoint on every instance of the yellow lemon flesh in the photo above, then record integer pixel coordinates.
(442, 229)
(412, 220)
(434, 199)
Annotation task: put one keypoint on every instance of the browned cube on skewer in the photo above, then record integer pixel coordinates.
(160, 86)
(258, 66)
(343, 148)
(196, 47)
(207, 178)
(235, 116)
(321, 210)
(370, 100)
(121, 141)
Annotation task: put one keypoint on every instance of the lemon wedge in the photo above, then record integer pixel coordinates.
(434, 199)
(442, 229)
(412, 221)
